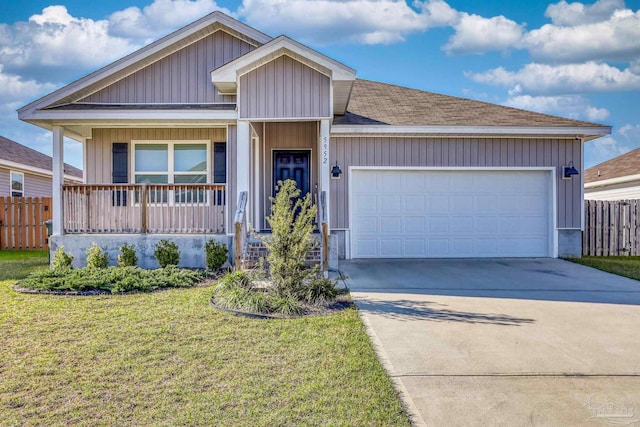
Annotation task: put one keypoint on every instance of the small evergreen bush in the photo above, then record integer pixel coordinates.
(96, 257)
(61, 259)
(167, 253)
(127, 256)
(216, 255)
(291, 240)
(111, 279)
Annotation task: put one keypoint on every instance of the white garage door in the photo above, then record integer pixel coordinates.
(446, 213)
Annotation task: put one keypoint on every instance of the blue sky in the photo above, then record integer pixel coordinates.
(574, 59)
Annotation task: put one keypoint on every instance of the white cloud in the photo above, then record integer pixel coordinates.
(159, 17)
(15, 88)
(617, 38)
(56, 41)
(625, 139)
(358, 21)
(475, 34)
(560, 79)
(570, 14)
(603, 149)
(574, 106)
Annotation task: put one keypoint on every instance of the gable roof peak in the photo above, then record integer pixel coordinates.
(146, 55)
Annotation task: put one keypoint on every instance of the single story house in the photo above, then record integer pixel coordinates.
(25, 172)
(615, 179)
(189, 136)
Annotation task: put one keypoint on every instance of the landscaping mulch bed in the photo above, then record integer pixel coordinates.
(310, 310)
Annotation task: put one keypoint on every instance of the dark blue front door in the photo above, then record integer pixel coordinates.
(291, 165)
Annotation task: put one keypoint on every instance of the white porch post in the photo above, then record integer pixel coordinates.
(325, 159)
(58, 178)
(243, 165)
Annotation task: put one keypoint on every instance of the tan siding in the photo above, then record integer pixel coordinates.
(34, 185)
(5, 183)
(182, 77)
(98, 168)
(457, 152)
(284, 88)
(295, 135)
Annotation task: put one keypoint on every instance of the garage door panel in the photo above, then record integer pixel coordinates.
(391, 248)
(391, 224)
(416, 224)
(429, 213)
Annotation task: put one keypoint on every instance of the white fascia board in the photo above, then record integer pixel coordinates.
(467, 130)
(175, 115)
(611, 181)
(149, 50)
(21, 167)
(228, 73)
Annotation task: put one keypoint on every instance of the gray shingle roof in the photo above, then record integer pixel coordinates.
(18, 153)
(381, 103)
(623, 165)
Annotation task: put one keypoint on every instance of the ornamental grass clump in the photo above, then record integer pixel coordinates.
(290, 284)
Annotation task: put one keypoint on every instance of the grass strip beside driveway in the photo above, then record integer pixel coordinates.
(169, 358)
(627, 266)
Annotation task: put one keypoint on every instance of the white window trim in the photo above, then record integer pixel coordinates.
(171, 173)
(11, 190)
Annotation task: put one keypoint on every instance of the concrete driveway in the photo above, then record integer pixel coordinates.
(504, 342)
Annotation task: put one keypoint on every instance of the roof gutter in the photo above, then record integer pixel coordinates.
(588, 133)
(612, 181)
(33, 169)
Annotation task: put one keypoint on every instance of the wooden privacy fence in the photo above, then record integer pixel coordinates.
(611, 227)
(21, 222)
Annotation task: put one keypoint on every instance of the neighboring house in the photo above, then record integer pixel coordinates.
(615, 179)
(25, 172)
(175, 132)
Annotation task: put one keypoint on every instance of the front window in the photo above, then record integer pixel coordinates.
(172, 162)
(17, 184)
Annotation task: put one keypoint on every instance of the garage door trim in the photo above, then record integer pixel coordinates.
(552, 171)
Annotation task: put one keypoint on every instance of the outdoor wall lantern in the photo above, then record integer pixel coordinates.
(336, 171)
(568, 171)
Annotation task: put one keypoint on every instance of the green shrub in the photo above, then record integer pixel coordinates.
(167, 253)
(291, 240)
(96, 257)
(111, 279)
(320, 290)
(216, 255)
(127, 256)
(61, 259)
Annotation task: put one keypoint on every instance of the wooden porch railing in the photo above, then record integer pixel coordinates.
(240, 229)
(143, 208)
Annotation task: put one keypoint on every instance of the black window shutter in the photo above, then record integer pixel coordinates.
(120, 171)
(220, 163)
(220, 168)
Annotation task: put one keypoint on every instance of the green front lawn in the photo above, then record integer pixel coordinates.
(15, 265)
(169, 358)
(628, 266)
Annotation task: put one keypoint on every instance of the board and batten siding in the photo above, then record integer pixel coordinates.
(457, 152)
(284, 88)
(182, 77)
(98, 149)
